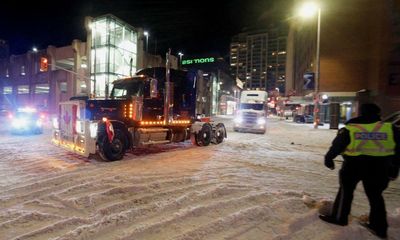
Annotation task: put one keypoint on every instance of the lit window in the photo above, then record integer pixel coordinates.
(63, 87)
(23, 89)
(7, 90)
(42, 88)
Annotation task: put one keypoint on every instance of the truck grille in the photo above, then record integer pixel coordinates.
(250, 117)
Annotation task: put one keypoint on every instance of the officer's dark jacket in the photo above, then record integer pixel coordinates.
(341, 141)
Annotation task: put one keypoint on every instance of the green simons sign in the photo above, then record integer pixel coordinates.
(198, 61)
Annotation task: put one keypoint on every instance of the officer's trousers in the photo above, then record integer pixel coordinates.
(373, 174)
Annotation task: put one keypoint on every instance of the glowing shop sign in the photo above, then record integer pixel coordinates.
(198, 61)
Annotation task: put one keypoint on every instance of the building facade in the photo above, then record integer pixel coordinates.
(24, 83)
(359, 55)
(116, 51)
(258, 58)
(214, 84)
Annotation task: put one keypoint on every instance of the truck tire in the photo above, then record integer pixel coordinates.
(203, 137)
(220, 133)
(116, 149)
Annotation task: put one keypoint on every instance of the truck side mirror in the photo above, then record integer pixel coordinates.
(153, 88)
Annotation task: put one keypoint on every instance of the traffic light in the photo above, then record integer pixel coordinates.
(44, 64)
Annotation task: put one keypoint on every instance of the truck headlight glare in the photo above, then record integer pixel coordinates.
(261, 121)
(55, 123)
(93, 129)
(79, 128)
(238, 119)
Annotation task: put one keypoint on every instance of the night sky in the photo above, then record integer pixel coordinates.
(193, 27)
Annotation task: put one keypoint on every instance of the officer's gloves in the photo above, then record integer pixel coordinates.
(329, 163)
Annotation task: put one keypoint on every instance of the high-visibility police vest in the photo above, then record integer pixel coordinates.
(373, 139)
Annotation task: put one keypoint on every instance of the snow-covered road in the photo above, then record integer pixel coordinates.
(249, 187)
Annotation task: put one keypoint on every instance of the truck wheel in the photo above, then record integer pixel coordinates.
(116, 149)
(203, 137)
(220, 133)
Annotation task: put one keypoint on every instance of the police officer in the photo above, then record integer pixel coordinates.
(371, 153)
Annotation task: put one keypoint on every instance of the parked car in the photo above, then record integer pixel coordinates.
(4, 111)
(26, 120)
(304, 119)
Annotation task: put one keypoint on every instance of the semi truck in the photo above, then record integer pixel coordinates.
(157, 106)
(252, 113)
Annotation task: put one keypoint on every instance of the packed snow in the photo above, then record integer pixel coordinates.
(251, 186)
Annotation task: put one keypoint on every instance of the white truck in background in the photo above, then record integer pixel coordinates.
(252, 113)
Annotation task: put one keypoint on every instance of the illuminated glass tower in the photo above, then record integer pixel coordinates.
(113, 52)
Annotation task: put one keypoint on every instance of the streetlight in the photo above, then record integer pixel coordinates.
(308, 10)
(34, 49)
(146, 33)
(180, 58)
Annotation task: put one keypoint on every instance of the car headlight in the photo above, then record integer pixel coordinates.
(19, 122)
(261, 121)
(55, 123)
(238, 119)
(39, 123)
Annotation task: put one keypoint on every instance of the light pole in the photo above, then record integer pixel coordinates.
(306, 11)
(180, 59)
(146, 33)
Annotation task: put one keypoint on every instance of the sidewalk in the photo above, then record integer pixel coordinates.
(325, 126)
(290, 121)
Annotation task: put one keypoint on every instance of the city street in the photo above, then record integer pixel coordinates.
(251, 186)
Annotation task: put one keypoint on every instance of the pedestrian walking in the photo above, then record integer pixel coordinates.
(371, 153)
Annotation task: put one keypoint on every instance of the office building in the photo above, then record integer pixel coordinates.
(258, 58)
(359, 55)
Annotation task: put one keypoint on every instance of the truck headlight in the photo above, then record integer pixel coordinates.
(78, 127)
(55, 123)
(93, 129)
(261, 121)
(238, 119)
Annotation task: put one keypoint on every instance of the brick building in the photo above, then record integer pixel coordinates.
(359, 54)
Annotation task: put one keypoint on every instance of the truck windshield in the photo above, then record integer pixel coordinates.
(127, 89)
(254, 106)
